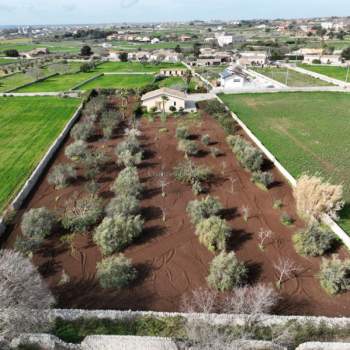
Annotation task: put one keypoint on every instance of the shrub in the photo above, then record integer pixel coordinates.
(286, 219)
(214, 107)
(182, 133)
(215, 152)
(131, 144)
(38, 223)
(213, 233)
(28, 245)
(82, 213)
(334, 275)
(128, 183)
(127, 159)
(117, 232)
(203, 209)
(82, 131)
(263, 178)
(76, 150)
(197, 188)
(94, 161)
(124, 205)
(188, 147)
(115, 272)
(227, 123)
(61, 175)
(226, 272)
(314, 241)
(188, 172)
(206, 139)
(314, 198)
(251, 158)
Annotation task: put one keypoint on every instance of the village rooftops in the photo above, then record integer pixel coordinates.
(164, 92)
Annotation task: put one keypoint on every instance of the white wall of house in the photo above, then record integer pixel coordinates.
(157, 102)
(233, 82)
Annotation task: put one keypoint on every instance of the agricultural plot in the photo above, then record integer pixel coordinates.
(290, 77)
(129, 67)
(119, 81)
(177, 83)
(339, 73)
(307, 132)
(64, 82)
(28, 126)
(167, 256)
(12, 81)
(129, 46)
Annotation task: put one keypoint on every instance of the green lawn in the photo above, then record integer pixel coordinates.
(176, 83)
(331, 71)
(129, 46)
(4, 61)
(307, 132)
(119, 81)
(58, 83)
(294, 78)
(11, 82)
(135, 67)
(28, 126)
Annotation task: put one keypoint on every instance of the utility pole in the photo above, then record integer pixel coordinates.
(347, 74)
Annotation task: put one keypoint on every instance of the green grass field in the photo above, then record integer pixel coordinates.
(119, 81)
(135, 67)
(11, 82)
(331, 71)
(28, 126)
(58, 83)
(307, 132)
(295, 79)
(128, 46)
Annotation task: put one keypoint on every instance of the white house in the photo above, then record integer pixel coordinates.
(168, 99)
(224, 40)
(252, 58)
(324, 59)
(155, 41)
(233, 78)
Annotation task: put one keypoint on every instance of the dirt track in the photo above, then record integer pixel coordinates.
(168, 256)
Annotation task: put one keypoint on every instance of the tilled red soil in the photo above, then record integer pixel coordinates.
(170, 260)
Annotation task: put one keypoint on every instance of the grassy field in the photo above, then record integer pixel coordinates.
(307, 132)
(294, 78)
(11, 82)
(4, 61)
(58, 83)
(135, 67)
(119, 81)
(128, 46)
(28, 126)
(331, 71)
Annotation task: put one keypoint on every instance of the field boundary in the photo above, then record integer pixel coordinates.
(32, 82)
(41, 167)
(255, 74)
(326, 219)
(86, 81)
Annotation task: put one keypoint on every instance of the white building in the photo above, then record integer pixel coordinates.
(168, 99)
(224, 40)
(155, 41)
(327, 25)
(323, 59)
(233, 78)
(252, 58)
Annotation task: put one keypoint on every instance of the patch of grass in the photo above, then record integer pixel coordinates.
(58, 83)
(307, 132)
(28, 126)
(331, 71)
(292, 79)
(126, 81)
(138, 67)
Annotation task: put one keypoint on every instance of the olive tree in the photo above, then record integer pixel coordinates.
(61, 175)
(128, 183)
(203, 209)
(38, 222)
(123, 204)
(24, 297)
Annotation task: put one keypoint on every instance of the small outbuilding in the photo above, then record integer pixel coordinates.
(168, 99)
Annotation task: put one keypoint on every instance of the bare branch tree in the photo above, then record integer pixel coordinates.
(200, 300)
(263, 236)
(233, 180)
(24, 298)
(286, 269)
(245, 213)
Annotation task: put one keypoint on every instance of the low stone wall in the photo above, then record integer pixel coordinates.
(40, 169)
(326, 219)
(32, 82)
(86, 81)
(323, 346)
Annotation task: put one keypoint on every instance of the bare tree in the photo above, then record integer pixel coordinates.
(286, 269)
(164, 213)
(263, 236)
(24, 298)
(201, 300)
(245, 213)
(233, 180)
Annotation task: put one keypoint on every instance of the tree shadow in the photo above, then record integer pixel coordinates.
(254, 271)
(229, 213)
(237, 239)
(151, 213)
(151, 192)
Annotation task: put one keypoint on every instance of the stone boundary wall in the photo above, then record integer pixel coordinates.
(86, 81)
(42, 94)
(326, 219)
(32, 82)
(286, 89)
(129, 73)
(41, 167)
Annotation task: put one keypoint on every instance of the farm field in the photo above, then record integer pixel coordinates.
(129, 46)
(135, 67)
(307, 132)
(339, 73)
(294, 79)
(119, 81)
(28, 126)
(58, 83)
(176, 83)
(4, 61)
(168, 256)
(12, 81)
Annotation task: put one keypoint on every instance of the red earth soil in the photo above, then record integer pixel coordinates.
(170, 260)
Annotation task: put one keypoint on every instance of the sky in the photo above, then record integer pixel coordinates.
(118, 11)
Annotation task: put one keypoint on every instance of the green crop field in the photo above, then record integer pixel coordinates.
(335, 72)
(129, 46)
(292, 79)
(12, 81)
(58, 83)
(135, 67)
(119, 81)
(307, 132)
(28, 126)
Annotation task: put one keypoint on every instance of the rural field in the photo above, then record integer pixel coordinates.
(307, 132)
(294, 79)
(339, 73)
(11, 82)
(170, 258)
(128, 67)
(58, 83)
(28, 126)
(119, 81)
